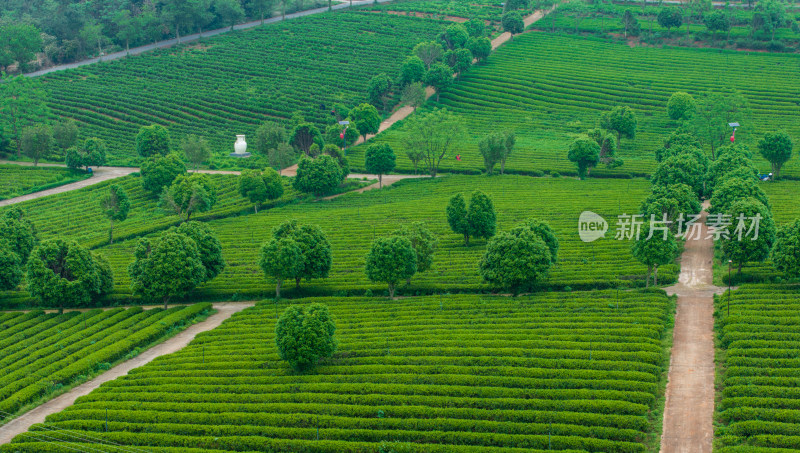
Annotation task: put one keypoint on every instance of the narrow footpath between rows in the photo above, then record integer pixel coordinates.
(22, 423)
(689, 408)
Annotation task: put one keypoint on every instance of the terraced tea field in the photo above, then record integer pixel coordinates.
(41, 353)
(230, 84)
(549, 88)
(488, 10)
(462, 373)
(761, 342)
(16, 180)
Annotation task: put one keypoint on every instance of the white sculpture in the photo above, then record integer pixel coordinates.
(240, 147)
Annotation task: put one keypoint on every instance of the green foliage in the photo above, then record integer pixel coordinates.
(159, 172)
(455, 36)
(732, 190)
(671, 200)
(304, 335)
(480, 47)
(366, 119)
(115, 205)
(477, 220)
(513, 23)
(166, 267)
(715, 109)
(432, 134)
(379, 159)
(21, 42)
(315, 250)
(680, 169)
(492, 148)
(786, 250)
(317, 176)
(670, 18)
(429, 52)
(18, 232)
(152, 141)
(773, 16)
(729, 163)
(413, 95)
(459, 59)
(716, 21)
(208, 246)
(23, 104)
(189, 194)
(281, 259)
(391, 260)
(11, 269)
(476, 28)
(515, 261)
(423, 241)
(304, 136)
(412, 71)
(630, 24)
(681, 106)
(258, 186)
(36, 142)
(65, 134)
(776, 147)
(379, 91)
(585, 153)
(655, 251)
(268, 136)
(440, 77)
(543, 230)
(91, 154)
(196, 150)
(621, 120)
(741, 247)
(608, 147)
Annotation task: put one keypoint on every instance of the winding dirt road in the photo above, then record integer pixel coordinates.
(689, 409)
(22, 423)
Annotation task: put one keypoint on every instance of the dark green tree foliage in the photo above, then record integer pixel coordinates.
(268, 137)
(159, 171)
(477, 220)
(366, 119)
(281, 259)
(338, 155)
(64, 274)
(23, 103)
(229, 11)
(167, 267)
(681, 106)
(65, 134)
(318, 176)
(333, 135)
(440, 77)
(460, 60)
(379, 91)
(429, 52)
(316, 258)
(715, 109)
(543, 230)
(36, 142)
(189, 194)
(480, 48)
(513, 23)
(679, 150)
(730, 163)
(423, 242)
(732, 190)
(152, 141)
(379, 159)
(258, 186)
(630, 24)
(773, 15)
(621, 120)
(670, 200)
(208, 246)
(476, 28)
(391, 260)
(717, 20)
(412, 70)
(653, 252)
(738, 149)
(455, 36)
(304, 135)
(11, 269)
(304, 335)
(18, 233)
(196, 150)
(585, 153)
(20, 43)
(492, 148)
(786, 250)
(429, 136)
(776, 147)
(680, 169)
(515, 260)
(742, 248)
(91, 154)
(608, 147)
(115, 205)
(679, 137)
(670, 18)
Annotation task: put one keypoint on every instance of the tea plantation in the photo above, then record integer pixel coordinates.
(16, 180)
(567, 372)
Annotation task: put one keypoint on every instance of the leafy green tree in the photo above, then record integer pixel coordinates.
(478, 219)
(64, 274)
(492, 148)
(717, 21)
(304, 335)
(740, 247)
(774, 16)
(115, 205)
(475, 27)
(608, 147)
(620, 120)
(670, 200)
(682, 138)
(457, 216)
(334, 132)
(543, 230)
(65, 134)
(18, 232)
(680, 169)
(263, 7)
(127, 28)
(379, 90)
(776, 147)
(304, 135)
(681, 106)
(159, 171)
(653, 252)
(184, 14)
(318, 176)
(281, 259)
(460, 60)
(36, 142)
(423, 241)
(11, 270)
(391, 260)
(258, 186)
(91, 153)
(379, 159)
(515, 261)
(229, 11)
(669, 18)
(727, 164)
(189, 194)
(22, 104)
(480, 48)
(440, 77)
(169, 266)
(630, 24)
(715, 109)
(455, 36)
(513, 23)
(678, 150)
(208, 247)
(433, 134)
(20, 44)
(786, 250)
(338, 155)
(413, 95)
(281, 156)
(585, 153)
(366, 119)
(152, 140)
(742, 150)
(196, 150)
(429, 52)
(315, 250)
(511, 141)
(412, 71)
(268, 136)
(732, 190)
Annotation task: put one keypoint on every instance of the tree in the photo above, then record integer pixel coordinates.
(268, 137)
(22, 104)
(681, 106)
(391, 260)
(184, 14)
(515, 261)
(10, 267)
(229, 11)
(477, 220)
(115, 205)
(423, 242)
(773, 13)
(669, 18)
(433, 134)
(281, 156)
(727, 164)
(167, 267)
(455, 36)
(776, 147)
(336, 153)
(715, 109)
(656, 251)
(671, 201)
(440, 77)
(379, 159)
(152, 140)
(786, 250)
(208, 247)
(65, 134)
(630, 24)
(429, 52)
(732, 190)
(304, 135)
(510, 141)
(457, 216)
(304, 335)
(366, 119)
(480, 48)
(740, 247)
(91, 153)
(461, 60)
(585, 153)
(159, 171)
(334, 133)
(492, 148)
(127, 28)
(64, 274)
(513, 23)
(20, 44)
(379, 90)
(608, 146)
(317, 176)
(315, 249)
(412, 71)
(36, 142)
(475, 27)
(717, 21)
(413, 95)
(264, 7)
(259, 187)
(189, 194)
(18, 232)
(196, 150)
(281, 259)
(415, 157)
(621, 120)
(543, 231)
(680, 169)
(578, 9)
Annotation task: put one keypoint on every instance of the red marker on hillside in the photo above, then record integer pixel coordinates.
(458, 157)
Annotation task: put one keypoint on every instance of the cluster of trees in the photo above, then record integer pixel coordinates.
(304, 335)
(67, 31)
(495, 149)
(399, 256)
(768, 16)
(295, 252)
(600, 145)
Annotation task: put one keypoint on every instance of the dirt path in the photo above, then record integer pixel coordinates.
(22, 423)
(689, 409)
(99, 175)
(528, 20)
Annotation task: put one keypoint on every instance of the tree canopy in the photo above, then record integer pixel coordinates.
(304, 335)
(152, 140)
(391, 260)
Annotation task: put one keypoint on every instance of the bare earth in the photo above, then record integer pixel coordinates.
(22, 423)
(689, 410)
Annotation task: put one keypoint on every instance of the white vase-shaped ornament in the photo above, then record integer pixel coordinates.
(240, 147)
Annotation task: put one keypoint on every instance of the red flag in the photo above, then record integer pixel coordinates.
(733, 136)
(458, 157)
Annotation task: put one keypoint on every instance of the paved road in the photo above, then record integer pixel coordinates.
(195, 37)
